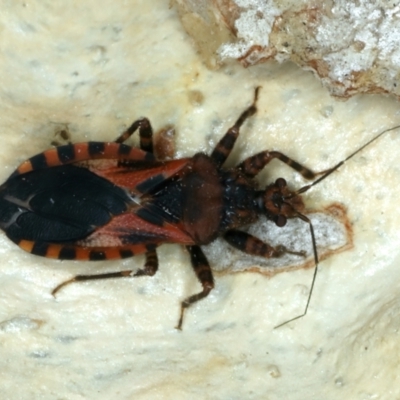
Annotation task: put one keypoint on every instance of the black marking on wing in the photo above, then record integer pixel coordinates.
(150, 183)
(59, 204)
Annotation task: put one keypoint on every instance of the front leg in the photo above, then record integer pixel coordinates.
(225, 145)
(253, 165)
(250, 244)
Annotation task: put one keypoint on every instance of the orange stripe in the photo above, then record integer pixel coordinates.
(26, 245)
(112, 253)
(52, 158)
(53, 251)
(81, 152)
(111, 150)
(135, 248)
(82, 253)
(25, 167)
(135, 154)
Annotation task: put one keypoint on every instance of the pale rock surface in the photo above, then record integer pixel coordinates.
(93, 67)
(352, 46)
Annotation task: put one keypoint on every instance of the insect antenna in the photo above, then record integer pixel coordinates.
(316, 261)
(329, 171)
(324, 174)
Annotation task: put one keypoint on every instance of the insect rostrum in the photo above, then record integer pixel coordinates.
(107, 200)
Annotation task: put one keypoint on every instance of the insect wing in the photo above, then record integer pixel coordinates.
(84, 195)
(130, 229)
(137, 177)
(142, 223)
(60, 204)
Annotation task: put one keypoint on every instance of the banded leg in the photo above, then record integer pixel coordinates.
(164, 144)
(149, 269)
(145, 134)
(250, 244)
(225, 145)
(253, 165)
(203, 271)
(150, 265)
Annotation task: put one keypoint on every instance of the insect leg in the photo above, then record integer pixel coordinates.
(225, 145)
(150, 265)
(203, 271)
(252, 245)
(145, 133)
(149, 269)
(164, 144)
(253, 165)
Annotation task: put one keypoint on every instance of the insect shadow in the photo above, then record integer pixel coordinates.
(107, 200)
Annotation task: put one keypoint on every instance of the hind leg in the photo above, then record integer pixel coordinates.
(145, 134)
(149, 269)
(204, 275)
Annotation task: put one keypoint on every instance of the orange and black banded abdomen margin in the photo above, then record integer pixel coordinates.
(73, 153)
(73, 252)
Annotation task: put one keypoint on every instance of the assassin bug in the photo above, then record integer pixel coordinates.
(107, 200)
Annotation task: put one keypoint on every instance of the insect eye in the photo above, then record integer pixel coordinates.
(280, 182)
(280, 220)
